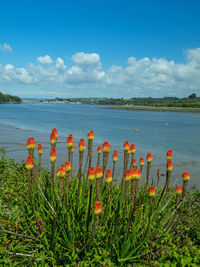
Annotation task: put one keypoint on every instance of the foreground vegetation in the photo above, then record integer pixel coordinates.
(68, 219)
(4, 99)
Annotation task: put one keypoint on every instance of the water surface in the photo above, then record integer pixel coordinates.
(157, 132)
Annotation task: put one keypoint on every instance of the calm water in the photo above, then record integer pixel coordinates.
(157, 131)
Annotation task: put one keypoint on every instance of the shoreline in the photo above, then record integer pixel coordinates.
(153, 108)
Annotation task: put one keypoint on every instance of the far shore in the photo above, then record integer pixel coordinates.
(154, 108)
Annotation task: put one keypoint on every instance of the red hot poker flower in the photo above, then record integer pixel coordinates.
(55, 132)
(40, 150)
(152, 191)
(133, 148)
(99, 172)
(138, 174)
(31, 143)
(169, 165)
(97, 207)
(158, 173)
(109, 176)
(81, 145)
(178, 189)
(185, 176)
(126, 146)
(91, 135)
(53, 154)
(127, 175)
(115, 156)
(106, 147)
(141, 161)
(91, 173)
(149, 157)
(134, 173)
(169, 154)
(70, 141)
(134, 162)
(68, 166)
(52, 138)
(72, 149)
(28, 143)
(99, 149)
(29, 163)
(61, 171)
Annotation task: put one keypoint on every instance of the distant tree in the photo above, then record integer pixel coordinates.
(192, 96)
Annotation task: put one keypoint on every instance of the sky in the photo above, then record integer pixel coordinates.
(100, 48)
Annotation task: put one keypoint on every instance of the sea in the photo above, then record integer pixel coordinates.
(150, 131)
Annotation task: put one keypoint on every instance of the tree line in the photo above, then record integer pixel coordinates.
(4, 98)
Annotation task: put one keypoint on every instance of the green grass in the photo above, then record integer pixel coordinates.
(164, 237)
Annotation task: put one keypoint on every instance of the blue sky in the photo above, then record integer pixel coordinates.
(100, 48)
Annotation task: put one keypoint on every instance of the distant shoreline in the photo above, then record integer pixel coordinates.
(153, 108)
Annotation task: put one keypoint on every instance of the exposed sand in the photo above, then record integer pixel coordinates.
(153, 108)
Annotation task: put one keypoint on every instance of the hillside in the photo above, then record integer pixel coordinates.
(4, 99)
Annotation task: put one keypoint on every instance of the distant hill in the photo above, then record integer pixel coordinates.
(4, 99)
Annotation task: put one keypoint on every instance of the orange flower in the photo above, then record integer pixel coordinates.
(40, 150)
(31, 143)
(91, 135)
(158, 173)
(178, 189)
(169, 165)
(138, 174)
(97, 207)
(133, 149)
(99, 172)
(169, 154)
(109, 176)
(149, 157)
(61, 171)
(70, 141)
(134, 173)
(152, 191)
(29, 163)
(185, 176)
(115, 156)
(91, 173)
(99, 149)
(68, 166)
(53, 154)
(134, 162)
(106, 147)
(52, 138)
(129, 151)
(126, 146)
(55, 132)
(28, 143)
(127, 175)
(81, 145)
(141, 161)
(72, 149)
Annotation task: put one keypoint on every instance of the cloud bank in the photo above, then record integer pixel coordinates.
(155, 77)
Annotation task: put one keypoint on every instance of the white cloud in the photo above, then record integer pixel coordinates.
(45, 60)
(82, 58)
(5, 47)
(140, 77)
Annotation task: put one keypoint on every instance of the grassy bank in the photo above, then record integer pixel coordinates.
(156, 108)
(54, 218)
